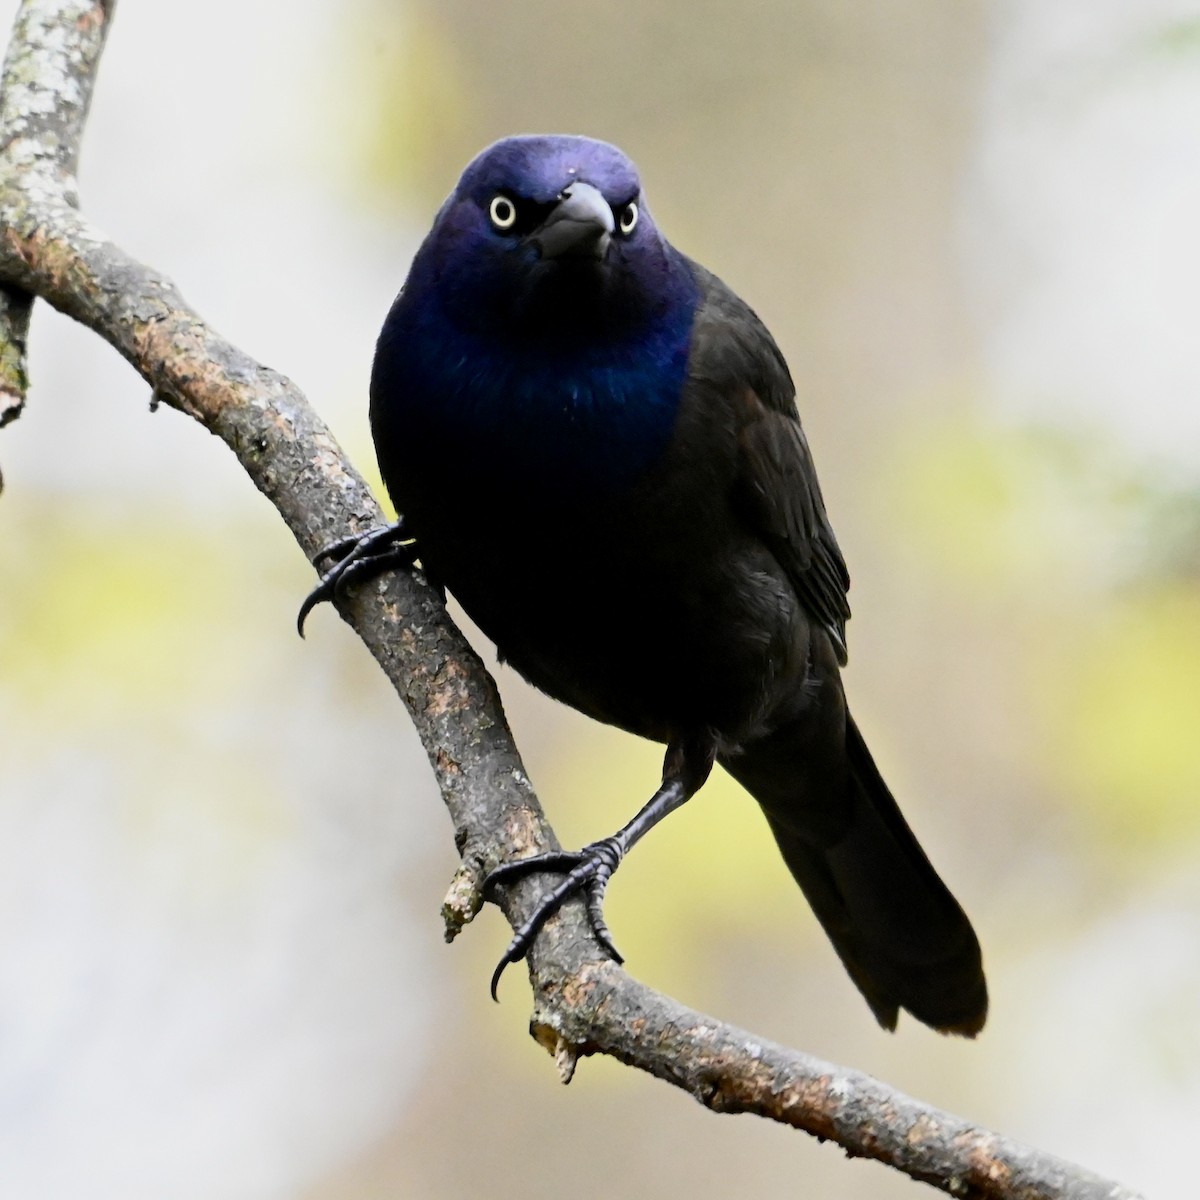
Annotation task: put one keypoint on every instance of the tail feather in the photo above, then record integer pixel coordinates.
(903, 938)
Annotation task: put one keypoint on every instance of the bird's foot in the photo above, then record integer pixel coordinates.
(587, 870)
(356, 559)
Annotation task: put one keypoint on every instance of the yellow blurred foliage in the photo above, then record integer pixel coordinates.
(105, 609)
(125, 672)
(1088, 549)
(995, 506)
(408, 97)
(1121, 714)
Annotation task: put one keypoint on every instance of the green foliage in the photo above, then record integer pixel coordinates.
(1178, 39)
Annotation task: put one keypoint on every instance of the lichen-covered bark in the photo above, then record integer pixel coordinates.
(44, 97)
(584, 1004)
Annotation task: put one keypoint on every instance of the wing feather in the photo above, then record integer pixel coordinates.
(776, 490)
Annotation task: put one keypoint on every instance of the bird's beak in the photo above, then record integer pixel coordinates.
(579, 226)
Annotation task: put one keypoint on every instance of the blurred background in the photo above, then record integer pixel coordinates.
(972, 228)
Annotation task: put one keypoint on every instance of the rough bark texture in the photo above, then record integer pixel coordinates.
(48, 75)
(583, 1003)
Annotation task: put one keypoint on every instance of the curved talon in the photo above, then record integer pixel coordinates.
(595, 901)
(322, 592)
(504, 961)
(588, 870)
(367, 554)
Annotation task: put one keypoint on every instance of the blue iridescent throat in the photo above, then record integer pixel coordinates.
(570, 415)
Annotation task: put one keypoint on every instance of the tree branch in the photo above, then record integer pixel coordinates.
(583, 1003)
(47, 87)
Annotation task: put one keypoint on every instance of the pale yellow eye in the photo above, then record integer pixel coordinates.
(627, 221)
(503, 212)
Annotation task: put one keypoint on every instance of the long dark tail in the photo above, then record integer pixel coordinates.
(902, 936)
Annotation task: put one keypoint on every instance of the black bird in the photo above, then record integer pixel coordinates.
(595, 446)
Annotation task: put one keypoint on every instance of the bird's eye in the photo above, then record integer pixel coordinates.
(503, 212)
(627, 221)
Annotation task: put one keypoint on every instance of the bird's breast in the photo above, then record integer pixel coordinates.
(556, 423)
(549, 491)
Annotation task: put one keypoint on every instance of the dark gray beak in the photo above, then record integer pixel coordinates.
(579, 226)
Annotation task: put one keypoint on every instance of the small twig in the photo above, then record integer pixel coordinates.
(584, 1004)
(14, 331)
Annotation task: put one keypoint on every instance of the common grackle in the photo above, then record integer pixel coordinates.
(595, 447)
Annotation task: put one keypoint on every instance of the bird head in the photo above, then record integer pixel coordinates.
(548, 234)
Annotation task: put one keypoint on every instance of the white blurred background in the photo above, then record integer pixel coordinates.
(972, 228)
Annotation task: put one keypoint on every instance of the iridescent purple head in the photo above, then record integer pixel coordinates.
(546, 232)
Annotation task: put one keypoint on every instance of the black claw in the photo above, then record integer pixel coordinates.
(323, 591)
(509, 956)
(587, 871)
(356, 558)
(595, 900)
